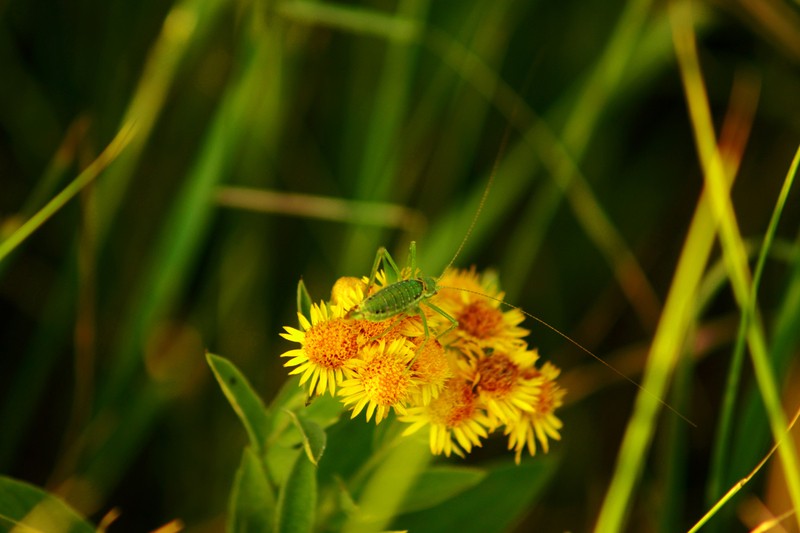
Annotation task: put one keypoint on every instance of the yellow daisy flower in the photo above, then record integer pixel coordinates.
(542, 422)
(327, 342)
(481, 321)
(431, 368)
(461, 279)
(480, 377)
(381, 379)
(506, 383)
(457, 423)
(348, 292)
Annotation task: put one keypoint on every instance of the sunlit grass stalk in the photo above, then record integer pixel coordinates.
(120, 141)
(63, 158)
(742, 482)
(46, 187)
(665, 350)
(354, 20)
(383, 214)
(732, 244)
(720, 454)
(734, 135)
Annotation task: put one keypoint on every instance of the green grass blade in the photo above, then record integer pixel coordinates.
(725, 498)
(352, 19)
(752, 434)
(120, 141)
(724, 430)
(732, 244)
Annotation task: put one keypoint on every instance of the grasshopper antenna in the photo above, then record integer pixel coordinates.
(484, 196)
(495, 166)
(580, 347)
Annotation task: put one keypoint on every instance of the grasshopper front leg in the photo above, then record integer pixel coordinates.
(427, 333)
(453, 321)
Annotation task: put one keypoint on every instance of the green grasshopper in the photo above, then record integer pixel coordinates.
(401, 298)
(404, 297)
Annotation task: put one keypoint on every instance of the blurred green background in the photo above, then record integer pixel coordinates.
(388, 118)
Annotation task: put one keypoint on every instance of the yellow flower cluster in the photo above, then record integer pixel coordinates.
(479, 377)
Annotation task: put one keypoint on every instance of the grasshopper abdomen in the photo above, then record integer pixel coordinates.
(391, 301)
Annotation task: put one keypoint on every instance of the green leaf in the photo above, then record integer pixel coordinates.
(350, 445)
(298, 498)
(252, 503)
(324, 410)
(290, 395)
(397, 467)
(314, 438)
(440, 483)
(36, 510)
(495, 504)
(303, 300)
(245, 402)
(280, 456)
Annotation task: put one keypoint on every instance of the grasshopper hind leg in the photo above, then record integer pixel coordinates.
(381, 255)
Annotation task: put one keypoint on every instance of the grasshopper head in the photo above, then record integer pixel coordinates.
(429, 285)
(355, 313)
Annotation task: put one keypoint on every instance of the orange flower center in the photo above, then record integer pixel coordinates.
(368, 332)
(479, 319)
(331, 343)
(455, 405)
(546, 401)
(385, 380)
(497, 374)
(431, 364)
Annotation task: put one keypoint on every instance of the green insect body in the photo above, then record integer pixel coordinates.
(395, 299)
(402, 298)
